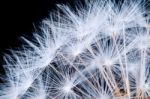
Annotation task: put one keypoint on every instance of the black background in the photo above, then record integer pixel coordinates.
(19, 18)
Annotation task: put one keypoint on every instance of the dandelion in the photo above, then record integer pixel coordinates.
(100, 50)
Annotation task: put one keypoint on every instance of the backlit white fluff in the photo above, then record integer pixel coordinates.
(100, 50)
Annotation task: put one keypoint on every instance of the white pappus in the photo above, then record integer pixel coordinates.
(99, 50)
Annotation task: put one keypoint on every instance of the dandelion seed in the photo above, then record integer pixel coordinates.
(99, 50)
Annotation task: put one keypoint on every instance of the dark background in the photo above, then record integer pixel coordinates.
(19, 18)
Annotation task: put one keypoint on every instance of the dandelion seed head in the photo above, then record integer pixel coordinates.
(146, 86)
(102, 61)
(100, 50)
(67, 87)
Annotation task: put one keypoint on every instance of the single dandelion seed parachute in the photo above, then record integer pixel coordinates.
(99, 50)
